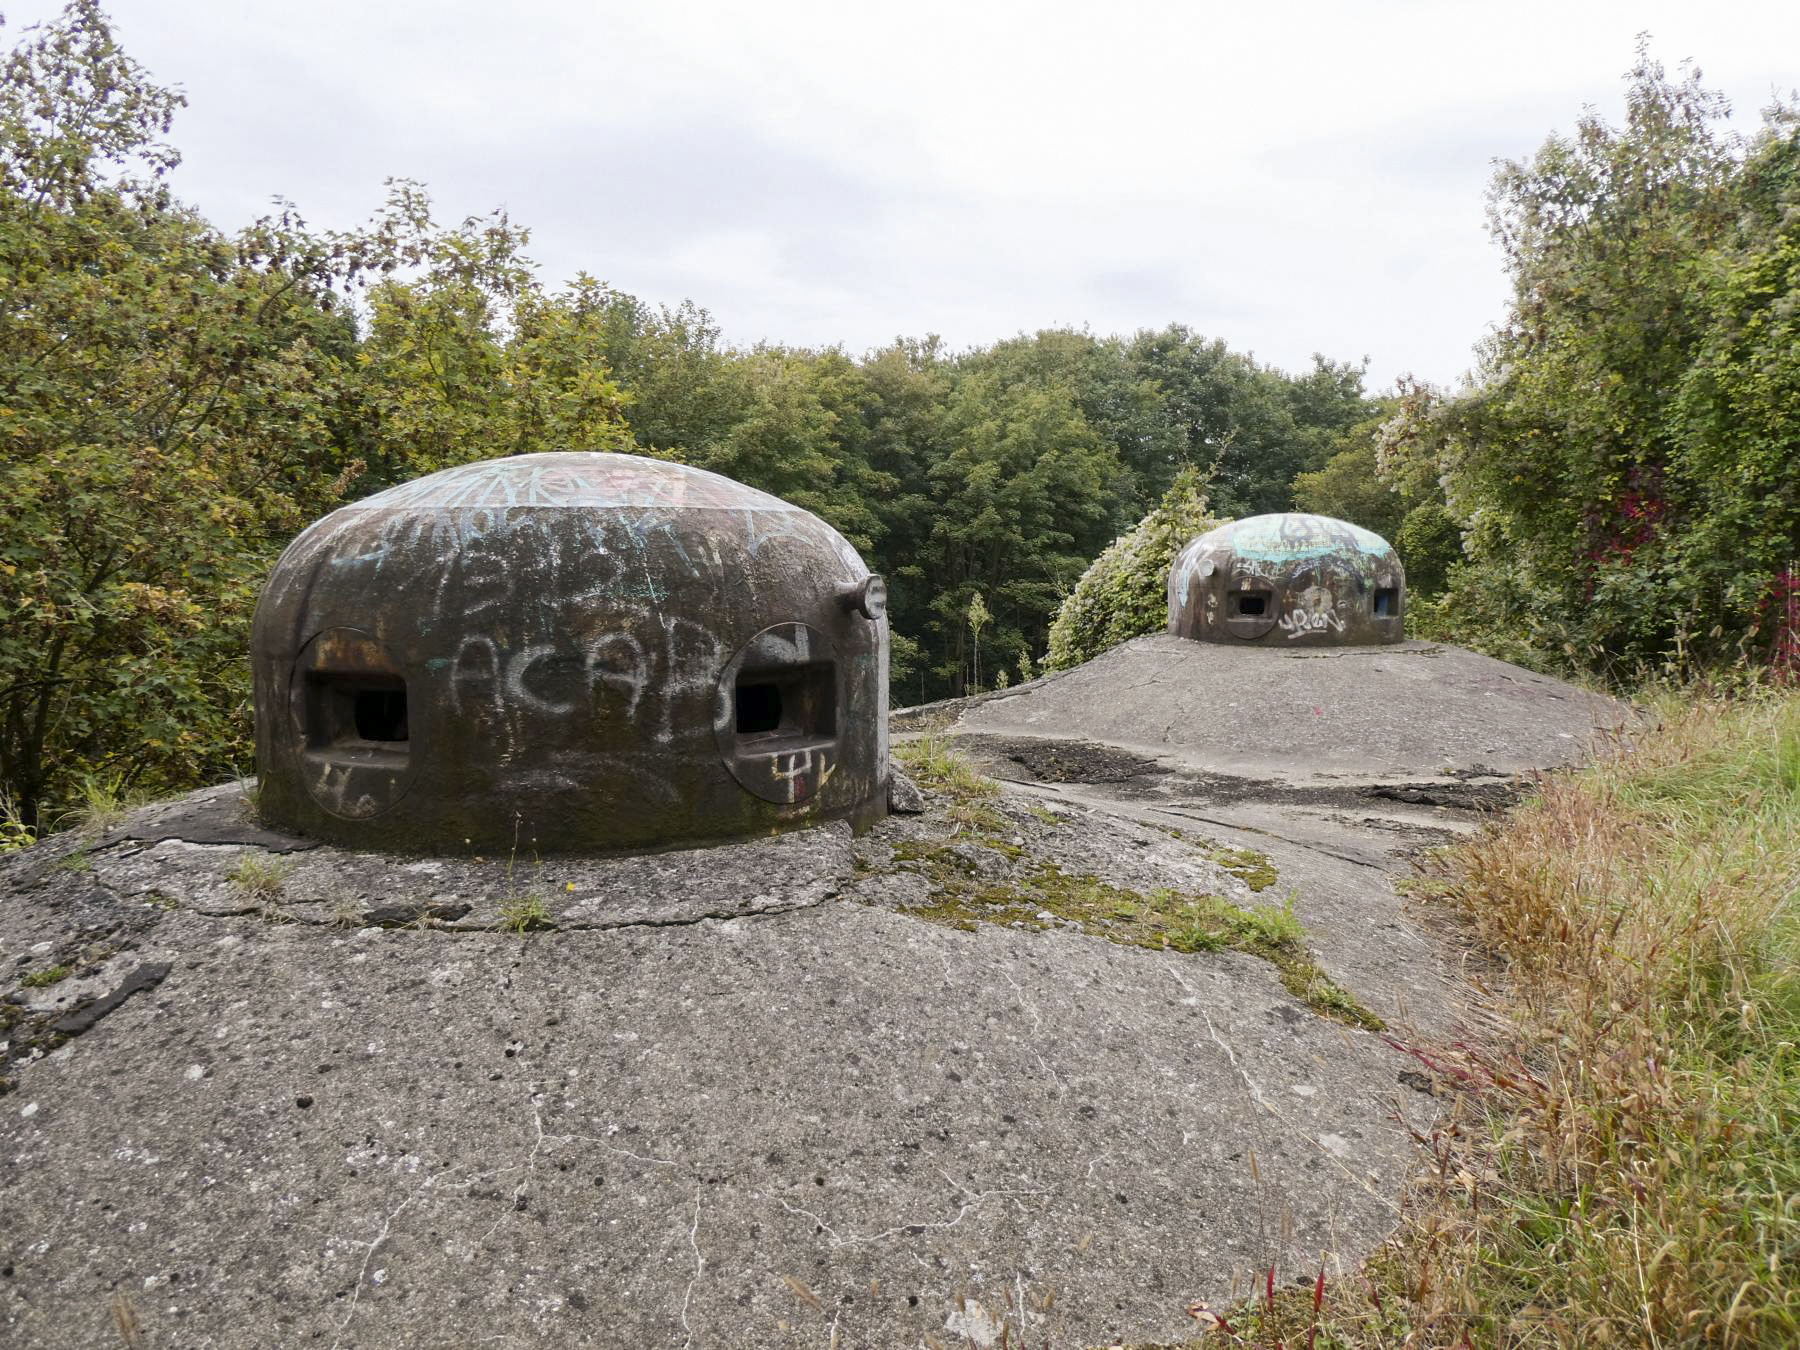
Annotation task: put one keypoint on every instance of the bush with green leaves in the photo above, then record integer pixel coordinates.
(1626, 470)
(1124, 593)
(176, 402)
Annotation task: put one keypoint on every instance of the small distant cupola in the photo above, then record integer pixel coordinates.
(1288, 580)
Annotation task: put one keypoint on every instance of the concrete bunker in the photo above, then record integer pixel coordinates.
(569, 652)
(1288, 578)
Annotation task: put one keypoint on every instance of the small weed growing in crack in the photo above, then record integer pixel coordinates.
(346, 914)
(259, 876)
(104, 803)
(933, 764)
(524, 914)
(528, 912)
(78, 861)
(1268, 926)
(43, 979)
(14, 832)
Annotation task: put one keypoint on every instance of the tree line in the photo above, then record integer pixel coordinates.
(176, 401)
(1615, 490)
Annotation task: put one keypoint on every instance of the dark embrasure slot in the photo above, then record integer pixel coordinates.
(758, 708)
(795, 704)
(1386, 602)
(1251, 604)
(380, 714)
(345, 710)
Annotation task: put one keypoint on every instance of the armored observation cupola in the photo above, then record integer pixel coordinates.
(1289, 579)
(569, 652)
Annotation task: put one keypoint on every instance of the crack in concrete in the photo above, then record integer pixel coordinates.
(279, 917)
(1268, 834)
(699, 1269)
(1256, 1095)
(975, 1201)
(686, 921)
(387, 1228)
(1037, 1026)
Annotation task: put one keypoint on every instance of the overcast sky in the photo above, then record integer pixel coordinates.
(1291, 178)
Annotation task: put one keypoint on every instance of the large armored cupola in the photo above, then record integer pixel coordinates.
(1289, 579)
(569, 652)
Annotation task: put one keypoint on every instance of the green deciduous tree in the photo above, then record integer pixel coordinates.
(1021, 503)
(1124, 592)
(1626, 467)
(169, 404)
(467, 357)
(1350, 487)
(175, 403)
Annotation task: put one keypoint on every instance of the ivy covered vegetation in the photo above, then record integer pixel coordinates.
(1124, 593)
(1626, 470)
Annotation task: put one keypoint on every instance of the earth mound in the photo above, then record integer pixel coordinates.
(1414, 708)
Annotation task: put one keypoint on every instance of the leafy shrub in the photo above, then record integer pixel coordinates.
(1624, 467)
(1124, 592)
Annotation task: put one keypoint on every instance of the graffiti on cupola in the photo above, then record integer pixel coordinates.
(1288, 580)
(569, 652)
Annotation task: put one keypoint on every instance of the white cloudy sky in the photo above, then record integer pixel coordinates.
(1292, 177)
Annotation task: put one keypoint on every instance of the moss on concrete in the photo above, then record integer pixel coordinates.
(1254, 869)
(1045, 896)
(1038, 894)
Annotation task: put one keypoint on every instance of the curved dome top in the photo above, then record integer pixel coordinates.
(593, 481)
(1290, 536)
(572, 651)
(1288, 578)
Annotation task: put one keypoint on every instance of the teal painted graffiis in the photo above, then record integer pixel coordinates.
(1292, 536)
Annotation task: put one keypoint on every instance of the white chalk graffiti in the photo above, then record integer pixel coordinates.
(792, 768)
(690, 656)
(693, 656)
(618, 659)
(1314, 612)
(333, 791)
(518, 666)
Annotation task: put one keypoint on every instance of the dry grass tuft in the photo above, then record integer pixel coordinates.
(259, 876)
(1627, 1172)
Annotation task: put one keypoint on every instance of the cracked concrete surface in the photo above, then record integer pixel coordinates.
(736, 1097)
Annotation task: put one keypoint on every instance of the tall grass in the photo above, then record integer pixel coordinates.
(1633, 1176)
(1626, 1171)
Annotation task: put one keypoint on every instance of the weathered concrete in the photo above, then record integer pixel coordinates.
(952, 1080)
(1345, 714)
(1340, 764)
(738, 1097)
(569, 652)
